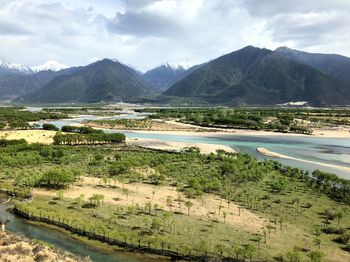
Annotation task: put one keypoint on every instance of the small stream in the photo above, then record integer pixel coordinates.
(62, 240)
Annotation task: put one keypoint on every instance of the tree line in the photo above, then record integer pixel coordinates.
(88, 139)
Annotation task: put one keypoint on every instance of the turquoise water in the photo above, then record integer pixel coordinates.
(334, 151)
(324, 150)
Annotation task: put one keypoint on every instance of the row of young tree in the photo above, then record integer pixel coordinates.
(89, 139)
(72, 129)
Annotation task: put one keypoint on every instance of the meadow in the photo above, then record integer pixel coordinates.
(235, 205)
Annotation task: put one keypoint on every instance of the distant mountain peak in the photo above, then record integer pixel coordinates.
(179, 65)
(14, 68)
(103, 80)
(49, 65)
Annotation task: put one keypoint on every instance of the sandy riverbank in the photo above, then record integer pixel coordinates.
(327, 133)
(172, 127)
(269, 153)
(177, 146)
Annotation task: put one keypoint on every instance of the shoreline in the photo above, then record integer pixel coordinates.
(268, 153)
(177, 146)
(205, 131)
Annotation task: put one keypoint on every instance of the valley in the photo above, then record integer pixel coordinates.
(174, 130)
(154, 201)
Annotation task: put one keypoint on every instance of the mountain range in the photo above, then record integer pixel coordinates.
(104, 80)
(254, 76)
(164, 76)
(334, 65)
(249, 76)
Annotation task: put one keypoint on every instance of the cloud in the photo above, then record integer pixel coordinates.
(149, 32)
(10, 28)
(144, 25)
(309, 24)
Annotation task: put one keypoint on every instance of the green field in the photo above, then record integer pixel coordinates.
(300, 214)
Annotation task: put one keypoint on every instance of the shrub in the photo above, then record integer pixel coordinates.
(50, 127)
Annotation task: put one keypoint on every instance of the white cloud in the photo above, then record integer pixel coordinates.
(146, 33)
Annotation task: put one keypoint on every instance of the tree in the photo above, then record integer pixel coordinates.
(50, 127)
(179, 200)
(60, 194)
(338, 216)
(96, 199)
(265, 236)
(316, 256)
(203, 246)
(126, 192)
(258, 239)
(294, 255)
(224, 214)
(56, 179)
(188, 204)
(249, 250)
(105, 180)
(220, 249)
(317, 242)
(169, 202)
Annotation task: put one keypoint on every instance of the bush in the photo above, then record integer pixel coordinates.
(343, 239)
(4, 142)
(56, 179)
(50, 127)
(334, 230)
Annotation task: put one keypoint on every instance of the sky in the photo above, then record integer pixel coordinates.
(146, 33)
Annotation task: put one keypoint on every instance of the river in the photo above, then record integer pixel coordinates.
(333, 151)
(323, 150)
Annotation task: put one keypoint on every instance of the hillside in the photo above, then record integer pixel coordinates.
(104, 80)
(15, 85)
(334, 65)
(253, 76)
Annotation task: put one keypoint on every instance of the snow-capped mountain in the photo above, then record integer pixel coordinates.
(164, 75)
(11, 68)
(175, 66)
(49, 65)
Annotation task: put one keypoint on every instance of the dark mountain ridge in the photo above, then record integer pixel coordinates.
(334, 65)
(15, 85)
(104, 80)
(254, 76)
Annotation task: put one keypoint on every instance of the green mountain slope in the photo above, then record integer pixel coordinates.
(104, 80)
(15, 85)
(334, 65)
(253, 76)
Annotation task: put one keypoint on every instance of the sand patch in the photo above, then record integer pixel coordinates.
(177, 146)
(31, 136)
(269, 153)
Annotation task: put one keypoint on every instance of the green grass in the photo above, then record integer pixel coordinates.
(132, 224)
(240, 178)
